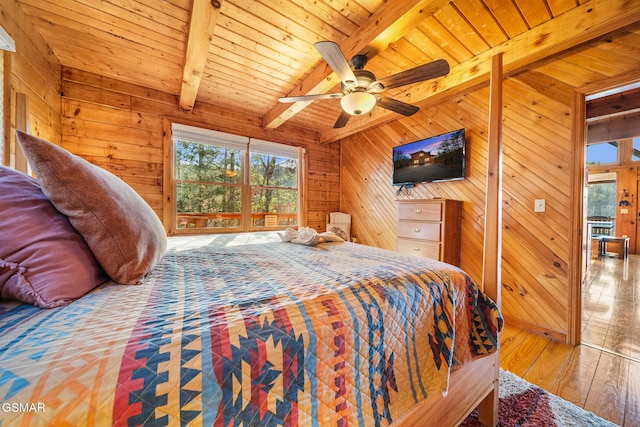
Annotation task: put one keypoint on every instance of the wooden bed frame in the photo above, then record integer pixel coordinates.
(473, 385)
(476, 384)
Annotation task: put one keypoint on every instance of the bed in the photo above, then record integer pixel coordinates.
(244, 329)
(105, 321)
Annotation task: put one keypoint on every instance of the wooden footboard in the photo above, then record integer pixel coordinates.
(473, 385)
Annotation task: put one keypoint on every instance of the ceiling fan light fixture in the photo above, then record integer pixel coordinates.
(357, 103)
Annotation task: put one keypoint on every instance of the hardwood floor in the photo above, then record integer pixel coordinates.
(603, 374)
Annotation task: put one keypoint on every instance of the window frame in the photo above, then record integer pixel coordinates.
(619, 154)
(196, 134)
(268, 148)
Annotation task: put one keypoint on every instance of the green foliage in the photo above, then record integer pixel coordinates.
(203, 162)
(601, 199)
(207, 198)
(274, 200)
(268, 172)
(202, 170)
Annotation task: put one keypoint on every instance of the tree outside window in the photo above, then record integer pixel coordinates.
(601, 199)
(209, 180)
(211, 192)
(274, 188)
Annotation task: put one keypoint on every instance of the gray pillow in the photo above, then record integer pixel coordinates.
(123, 232)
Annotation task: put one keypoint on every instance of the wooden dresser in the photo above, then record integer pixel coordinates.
(430, 228)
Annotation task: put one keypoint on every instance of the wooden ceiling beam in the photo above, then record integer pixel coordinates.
(613, 104)
(204, 15)
(586, 22)
(387, 25)
(614, 127)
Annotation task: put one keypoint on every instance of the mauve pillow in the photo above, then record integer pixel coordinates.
(123, 232)
(43, 259)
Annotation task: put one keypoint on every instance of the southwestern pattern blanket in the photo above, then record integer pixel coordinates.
(243, 329)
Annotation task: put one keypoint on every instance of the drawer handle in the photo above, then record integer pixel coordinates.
(418, 210)
(417, 229)
(416, 248)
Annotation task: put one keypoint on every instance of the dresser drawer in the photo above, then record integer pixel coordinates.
(418, 248)
(430, 228)
(420, 230)
(420, 211)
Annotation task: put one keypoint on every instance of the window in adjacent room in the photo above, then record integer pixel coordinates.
(602, 152)
(635, 152)
(601, 202)
(226, 182)
(602, 199)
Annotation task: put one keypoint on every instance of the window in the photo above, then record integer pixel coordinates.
(635, 154)
(601, 200)
(208, 185)
(273, 183)
(602, 152)
(228, 182)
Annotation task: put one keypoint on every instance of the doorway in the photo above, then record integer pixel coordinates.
(610, 209)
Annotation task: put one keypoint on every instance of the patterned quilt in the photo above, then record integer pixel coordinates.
(243, 330)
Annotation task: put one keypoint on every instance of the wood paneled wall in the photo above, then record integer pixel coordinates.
(118, 126)
(34, 71)
(538, 156)
(536, 165)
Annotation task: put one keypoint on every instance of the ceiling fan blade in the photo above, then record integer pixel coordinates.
(398, 106)
(343, 118)
(310, 97)
(332, 54)
(418, 74)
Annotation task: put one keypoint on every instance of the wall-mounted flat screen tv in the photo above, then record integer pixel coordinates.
(437, 158)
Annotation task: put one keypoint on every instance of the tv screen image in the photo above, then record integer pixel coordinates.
(436, 158)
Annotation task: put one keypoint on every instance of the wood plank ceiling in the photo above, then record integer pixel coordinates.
(245, 54)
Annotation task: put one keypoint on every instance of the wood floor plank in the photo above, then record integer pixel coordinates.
(520, 359)
(632, 408)
(608, 394)
(574, 382)
(634, 350)
(618, 339)
(595, 332)
(510, 340)
(547, 368)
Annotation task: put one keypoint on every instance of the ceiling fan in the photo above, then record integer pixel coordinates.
(360, 88)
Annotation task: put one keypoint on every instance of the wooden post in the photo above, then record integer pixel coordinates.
(492, 259)
(578, 259)
(22, 123)
(5, 96)
(168, 185)
(302, 188)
